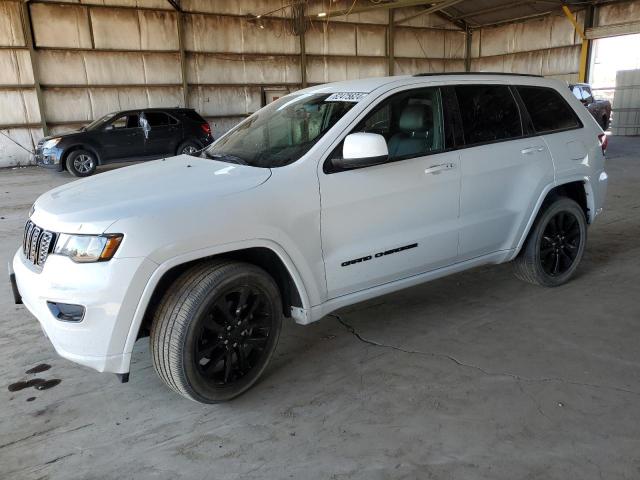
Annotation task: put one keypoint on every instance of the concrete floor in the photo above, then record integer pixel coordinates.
(481, 377)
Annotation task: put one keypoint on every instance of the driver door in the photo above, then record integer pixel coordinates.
(391, 221)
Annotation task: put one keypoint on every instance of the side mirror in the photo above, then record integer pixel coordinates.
(362, 150)
(108, 127)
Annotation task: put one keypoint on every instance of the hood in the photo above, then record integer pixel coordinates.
(92, 204)
(68, 133)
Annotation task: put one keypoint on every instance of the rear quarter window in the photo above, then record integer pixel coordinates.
(549, 112)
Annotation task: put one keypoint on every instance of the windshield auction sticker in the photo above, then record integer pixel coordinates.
(345, 97)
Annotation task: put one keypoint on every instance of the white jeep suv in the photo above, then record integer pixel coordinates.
(327, 197)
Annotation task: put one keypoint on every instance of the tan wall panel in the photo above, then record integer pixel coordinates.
(61, 68)
(372, 40)
(206, 68)
(333, 69)
(162, 68)
(331, 39)
(121, 3)
(406, 66)
(70, 29)
(618, 13)
(11, 154)
(212, 34)
(63, 105)
(225, 100)
(15, 68)
(11, 33)
(244, 7)
(373, 16)
(132, 30)
(18, 106)
(411, 42)
(560, 61)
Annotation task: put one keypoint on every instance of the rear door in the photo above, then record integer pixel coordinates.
(164, 135)
(122, 138)
(504, 169)
(387, 222)
(554, 119)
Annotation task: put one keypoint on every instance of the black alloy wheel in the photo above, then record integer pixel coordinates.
(560, 243)
(233, 335)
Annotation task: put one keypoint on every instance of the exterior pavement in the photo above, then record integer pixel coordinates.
(476, 376)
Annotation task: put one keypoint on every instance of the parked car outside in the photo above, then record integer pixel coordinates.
(145, 134)
(329, 196)
(599, 109)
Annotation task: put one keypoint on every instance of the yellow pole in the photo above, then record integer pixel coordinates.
(582, 74)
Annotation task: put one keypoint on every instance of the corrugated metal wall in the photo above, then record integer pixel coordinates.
(546, 46)
(97, 56)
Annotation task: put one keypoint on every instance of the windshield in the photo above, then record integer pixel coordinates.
(282, 132)
(100, 121)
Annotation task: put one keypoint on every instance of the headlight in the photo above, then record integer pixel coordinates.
(51, 142)
(88, 248)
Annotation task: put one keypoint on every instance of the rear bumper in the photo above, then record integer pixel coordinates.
(109, 291)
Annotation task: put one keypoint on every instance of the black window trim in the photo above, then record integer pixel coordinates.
(548, 132)
(122, 114)
(327, 166)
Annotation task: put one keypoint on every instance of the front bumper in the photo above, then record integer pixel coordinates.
(49, 158)
(109, 291)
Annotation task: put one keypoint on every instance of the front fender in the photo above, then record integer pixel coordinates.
(201, 254)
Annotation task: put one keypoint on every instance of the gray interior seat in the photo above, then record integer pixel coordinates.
(415, 136)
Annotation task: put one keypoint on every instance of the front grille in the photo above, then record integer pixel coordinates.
(37, 243)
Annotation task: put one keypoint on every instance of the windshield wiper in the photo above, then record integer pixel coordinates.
(226, 157)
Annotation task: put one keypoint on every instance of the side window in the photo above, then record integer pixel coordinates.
(410, 122)
(549, 112)
(577, 92)
(489, 113)
(125, 121)
(587, 95)
(157, 119)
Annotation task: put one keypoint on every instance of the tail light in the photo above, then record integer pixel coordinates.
(604, 141)
(206, 128)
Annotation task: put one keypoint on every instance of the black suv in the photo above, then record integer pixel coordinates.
(145, 134)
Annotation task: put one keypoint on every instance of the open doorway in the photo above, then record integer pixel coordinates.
(615, 76)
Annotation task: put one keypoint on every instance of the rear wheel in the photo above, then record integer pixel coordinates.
(189, 147)
(555, 245)
(81, 163)
(216, 330)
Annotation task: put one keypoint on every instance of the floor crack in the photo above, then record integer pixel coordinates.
(485, 372)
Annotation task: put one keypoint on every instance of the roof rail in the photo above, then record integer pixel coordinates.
(477, 73)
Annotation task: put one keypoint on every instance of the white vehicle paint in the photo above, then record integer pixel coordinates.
(343, 235)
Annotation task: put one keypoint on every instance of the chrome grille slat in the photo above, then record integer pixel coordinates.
(37, 243)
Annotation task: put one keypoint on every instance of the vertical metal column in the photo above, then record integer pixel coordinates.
(25, 14)
(467, 52)
(183, 58)
(390, 43)
(303, 60)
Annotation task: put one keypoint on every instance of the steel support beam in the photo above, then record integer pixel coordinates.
(303, 60)
(467, 51)
(584, 50)
(434, 8)
(183, 56)
(27, 29)
(390, 44)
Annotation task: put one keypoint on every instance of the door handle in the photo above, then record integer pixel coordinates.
(435, 169)
(530, 150)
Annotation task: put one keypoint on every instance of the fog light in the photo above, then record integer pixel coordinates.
(66, 312)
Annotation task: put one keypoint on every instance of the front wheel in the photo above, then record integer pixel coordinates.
(81, 163)
(216, 330)
(555, 245)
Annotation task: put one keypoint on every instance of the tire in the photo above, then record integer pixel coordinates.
(189, 147)
(199, 314)
(81, 163)
(555, 245)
